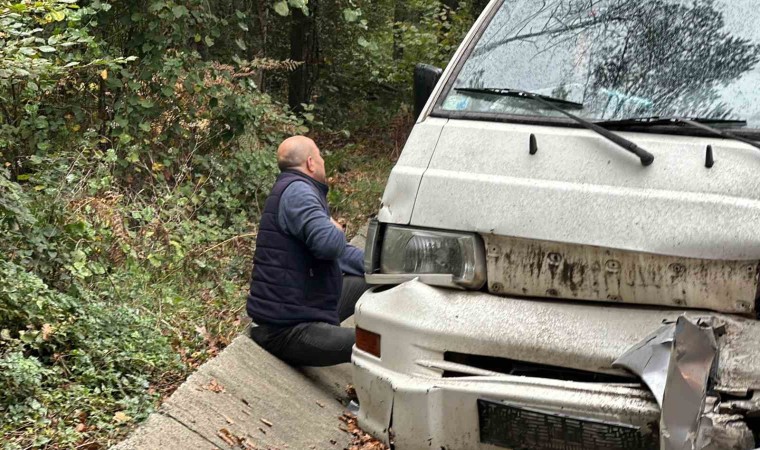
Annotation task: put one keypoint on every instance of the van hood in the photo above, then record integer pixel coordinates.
(579, 188)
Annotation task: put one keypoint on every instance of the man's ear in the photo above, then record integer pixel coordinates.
(310, 164)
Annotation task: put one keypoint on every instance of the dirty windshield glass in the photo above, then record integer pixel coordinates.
(619, 58)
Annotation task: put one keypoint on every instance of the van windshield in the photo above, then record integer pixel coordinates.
(620, 59)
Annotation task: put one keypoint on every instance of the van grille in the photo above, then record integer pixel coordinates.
(520, 428)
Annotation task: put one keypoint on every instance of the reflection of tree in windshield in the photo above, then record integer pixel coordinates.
(675, 55)
(621, 58)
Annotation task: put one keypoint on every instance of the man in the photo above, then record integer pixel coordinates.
(306, 279)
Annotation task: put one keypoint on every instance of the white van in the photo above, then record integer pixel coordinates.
(567, 252)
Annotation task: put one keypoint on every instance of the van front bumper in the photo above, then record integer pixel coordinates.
(405, 398)
(416, 412)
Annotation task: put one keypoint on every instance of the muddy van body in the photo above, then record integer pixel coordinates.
(567, 252)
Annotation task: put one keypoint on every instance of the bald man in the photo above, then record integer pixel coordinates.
(306, 279)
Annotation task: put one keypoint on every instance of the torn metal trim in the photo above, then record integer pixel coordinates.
(676, 363)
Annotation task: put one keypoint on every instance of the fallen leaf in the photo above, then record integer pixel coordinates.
(360, 439)
(121, 417)
(81, 428)
(351, 392)
(47, 331)
(228, 437)
(214, 386)
(321, 405)
(93, 445)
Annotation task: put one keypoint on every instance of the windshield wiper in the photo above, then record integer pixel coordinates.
(694, 122)
(503, 92)
(552, 103)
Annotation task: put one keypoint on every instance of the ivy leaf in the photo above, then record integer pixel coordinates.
(157, 6)
(154, 260)
(240, 44)
(281, 8)
(57, 15)
(179, 11)
(209, 41)
(363, 42)
(351, 15)
(47, 49)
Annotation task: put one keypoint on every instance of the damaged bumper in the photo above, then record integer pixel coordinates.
(415, 396)
(421, 412)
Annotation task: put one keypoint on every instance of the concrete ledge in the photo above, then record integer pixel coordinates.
(302, 406)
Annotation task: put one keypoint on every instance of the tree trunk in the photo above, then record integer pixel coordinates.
(398, 18)
(452, 4)
(303, 48)
(450, 7)
(262, 13)
(477, 7)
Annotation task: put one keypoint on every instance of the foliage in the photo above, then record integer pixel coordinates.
(134, 170)
(366, 78)
(77, 363)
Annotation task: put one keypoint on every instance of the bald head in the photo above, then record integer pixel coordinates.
(302, 154)
(294, 151)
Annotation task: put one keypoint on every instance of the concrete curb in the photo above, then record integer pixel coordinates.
(256, 389)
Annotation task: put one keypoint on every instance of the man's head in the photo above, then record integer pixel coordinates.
(302, 154)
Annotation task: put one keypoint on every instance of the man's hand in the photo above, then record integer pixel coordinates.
(337, 224)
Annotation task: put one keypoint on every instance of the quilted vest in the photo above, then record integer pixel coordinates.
(288, 285)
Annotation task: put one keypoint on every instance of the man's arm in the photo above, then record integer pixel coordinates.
(352, 261)
(302, 216)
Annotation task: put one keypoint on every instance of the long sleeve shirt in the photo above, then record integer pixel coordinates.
(301, 215)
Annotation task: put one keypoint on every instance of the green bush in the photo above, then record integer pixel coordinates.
(133, 170)
(60, 354)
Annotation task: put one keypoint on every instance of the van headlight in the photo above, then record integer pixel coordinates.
(414, 251)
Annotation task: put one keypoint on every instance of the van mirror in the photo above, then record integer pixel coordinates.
(425, 79)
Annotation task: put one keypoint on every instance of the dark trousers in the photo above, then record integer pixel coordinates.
(315, 344)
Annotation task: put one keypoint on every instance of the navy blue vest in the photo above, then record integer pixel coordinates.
(288, 285)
